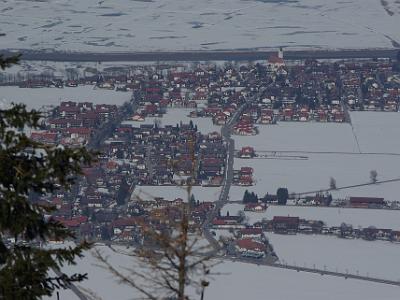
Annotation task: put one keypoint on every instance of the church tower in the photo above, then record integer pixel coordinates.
(280, 53)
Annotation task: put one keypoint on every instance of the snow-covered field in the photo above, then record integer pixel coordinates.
(151, 25)
(377, 132)
(175, 116)
(245, 281)
(37, 98)
(236, 281)
(297, 136)
(172, 192)
(373, 132)
(375, 259)
(100, 281)
(63, 294)
(315, 173)
(331, 216)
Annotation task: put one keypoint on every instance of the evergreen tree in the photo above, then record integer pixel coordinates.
(246, 196)
(250, 197)
(253, 198)
(332, 183)
(93, 217)
(86, 212)
(192, 201)
(119, 154)
(28, 167)
(6, 62)
(123, 192)
(282, 195)
(105, 233)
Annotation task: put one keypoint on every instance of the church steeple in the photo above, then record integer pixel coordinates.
(280, 53)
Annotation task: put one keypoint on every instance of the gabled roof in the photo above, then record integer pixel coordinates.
(274, 59)
(281, 219)
(251, 230)
(251, 245)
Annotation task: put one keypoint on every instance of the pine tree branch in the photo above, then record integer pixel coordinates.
(7, 62)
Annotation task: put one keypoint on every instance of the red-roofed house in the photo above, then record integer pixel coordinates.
(126, 223)
(80, 132)
(250, 248)
(256, 207)
(275, 61)
(367, 202)
(252, 232)
(285, 224)
(73, 223)
(44, 137)
(246, 152)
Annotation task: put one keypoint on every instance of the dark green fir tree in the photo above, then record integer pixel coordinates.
(29, 270)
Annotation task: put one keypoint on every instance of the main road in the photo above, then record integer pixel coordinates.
(225, 55)
(227, 182)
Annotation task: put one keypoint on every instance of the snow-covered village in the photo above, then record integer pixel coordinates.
(275, 177)
(277, 154)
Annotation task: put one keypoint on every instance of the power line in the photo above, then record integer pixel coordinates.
(347, 187)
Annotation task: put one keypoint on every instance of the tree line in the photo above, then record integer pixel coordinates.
(281, 197)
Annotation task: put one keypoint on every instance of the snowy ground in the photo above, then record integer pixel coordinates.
(315, 173)
(63, 294)
(377, 132)
(175, 116)
(63, 69)
(236, 281)
(172, 192)
(374, 133)
(37, 98)
(245, 281)
(143, 25)
(297, 136)
(375, 259)
(331, 216)
(101, 284)
(100, 281)
(223, 233)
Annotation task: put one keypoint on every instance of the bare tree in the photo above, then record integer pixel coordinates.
(332, 183)
(243, 218)
(173, 260)
(167, 266)
(373, 175)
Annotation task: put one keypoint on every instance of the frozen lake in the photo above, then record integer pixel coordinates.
(142, 25)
